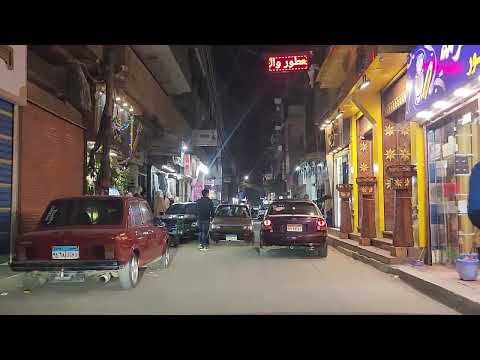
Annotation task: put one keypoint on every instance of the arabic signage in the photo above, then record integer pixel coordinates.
(288, 63)
(435, 71)
(204, 137)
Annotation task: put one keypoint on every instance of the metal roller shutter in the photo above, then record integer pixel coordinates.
(6, 151)
(51, 162)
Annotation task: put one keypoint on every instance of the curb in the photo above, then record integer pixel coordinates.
(441, 294)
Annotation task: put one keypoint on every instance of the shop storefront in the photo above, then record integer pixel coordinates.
(13, 97)
(443, 96)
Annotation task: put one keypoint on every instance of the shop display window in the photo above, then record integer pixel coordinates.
(453, 149)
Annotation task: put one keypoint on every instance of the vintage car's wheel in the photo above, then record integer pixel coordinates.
(129, 274)
(166, 258)
(322, 251)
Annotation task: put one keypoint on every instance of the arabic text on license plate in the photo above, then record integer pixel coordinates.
(65, 252)
(231, 237)
(294, 227)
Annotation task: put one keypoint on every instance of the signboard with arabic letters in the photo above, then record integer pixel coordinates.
(288, 63)
(435, 71)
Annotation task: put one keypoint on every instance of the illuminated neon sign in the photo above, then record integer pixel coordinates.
(288, 63)
(436, 71)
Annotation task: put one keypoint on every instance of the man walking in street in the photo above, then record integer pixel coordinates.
(205, 212)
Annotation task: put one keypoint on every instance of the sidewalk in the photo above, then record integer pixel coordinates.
(438, 282)
(8, 279)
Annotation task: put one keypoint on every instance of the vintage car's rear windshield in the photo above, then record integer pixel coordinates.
(83, 212)
(232, 211)
(176, 209)
(292, 208)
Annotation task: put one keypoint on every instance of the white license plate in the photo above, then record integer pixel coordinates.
(294, 228)
(65, 252)
(231, 237)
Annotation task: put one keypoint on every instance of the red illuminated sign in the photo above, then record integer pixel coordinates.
(288, 63)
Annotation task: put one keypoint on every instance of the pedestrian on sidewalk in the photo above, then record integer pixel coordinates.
(205, 212)
(161, 204)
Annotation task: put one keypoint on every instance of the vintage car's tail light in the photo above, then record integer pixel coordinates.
(21, 253)
(321, 224)
(109, 251)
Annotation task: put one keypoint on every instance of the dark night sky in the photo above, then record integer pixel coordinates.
(244, 84)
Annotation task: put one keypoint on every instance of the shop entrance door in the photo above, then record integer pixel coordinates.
(341, 176)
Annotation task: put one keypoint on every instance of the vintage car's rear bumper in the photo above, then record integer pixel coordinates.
(71, 265)
(245, 235)
(292, 239)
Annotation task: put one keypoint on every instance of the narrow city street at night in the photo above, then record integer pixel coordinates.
(208, 179)
(232, 278)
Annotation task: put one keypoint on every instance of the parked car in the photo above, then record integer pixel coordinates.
(181, 221)
(293, 223)
(93, 235)
(232, 223)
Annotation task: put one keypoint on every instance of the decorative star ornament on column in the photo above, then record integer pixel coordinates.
(404, 154)
(390, 154)
(363, 167)
(398, 182)
(389, 183)
(363, 146)
(405, 131)
(389, 130)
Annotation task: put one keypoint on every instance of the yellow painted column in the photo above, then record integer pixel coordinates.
(353, 156)
(371, 106)
(378, 159)
(420, 156)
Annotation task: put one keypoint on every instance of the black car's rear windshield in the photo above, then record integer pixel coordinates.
(177, 209)
(83, 212)
(232, 211)
(293, 208)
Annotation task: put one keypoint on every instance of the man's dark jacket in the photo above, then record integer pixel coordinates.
(205, 209)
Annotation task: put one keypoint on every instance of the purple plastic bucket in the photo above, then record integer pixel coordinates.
(467, 266)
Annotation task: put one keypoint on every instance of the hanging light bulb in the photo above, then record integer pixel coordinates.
(365, 82)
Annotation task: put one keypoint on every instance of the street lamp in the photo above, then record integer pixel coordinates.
(184, 147)
(246, 177)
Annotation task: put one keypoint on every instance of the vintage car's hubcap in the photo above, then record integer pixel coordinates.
(134, 269)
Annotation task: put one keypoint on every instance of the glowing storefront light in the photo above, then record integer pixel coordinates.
(462, 92)
(441, 104)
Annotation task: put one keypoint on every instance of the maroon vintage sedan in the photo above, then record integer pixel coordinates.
(103, 236)
(293, 223)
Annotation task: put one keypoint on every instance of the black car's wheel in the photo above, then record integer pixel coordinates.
(129, 274)
(322, 251)
(174, 241)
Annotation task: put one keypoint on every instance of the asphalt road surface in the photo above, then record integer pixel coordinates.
(232, 278)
